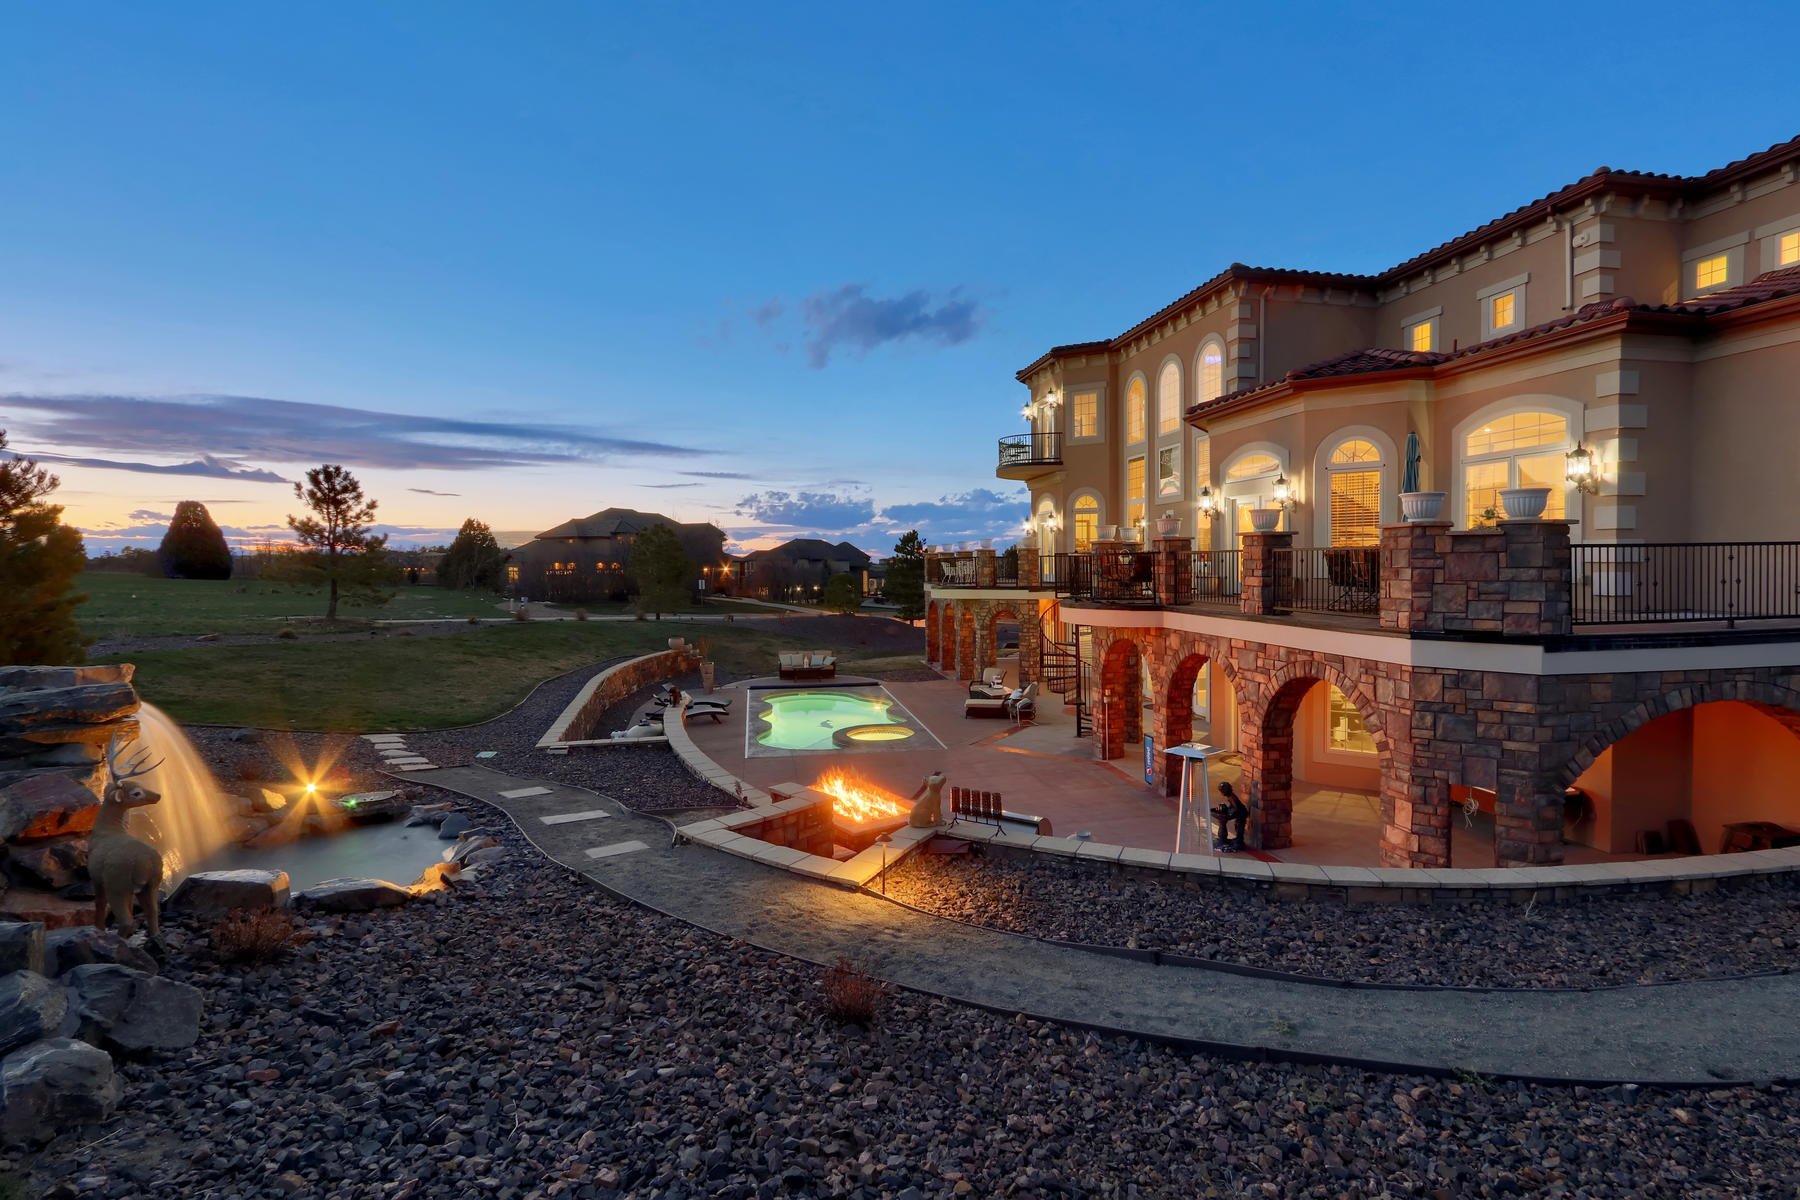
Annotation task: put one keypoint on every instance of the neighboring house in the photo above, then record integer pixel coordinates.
(417, 566)
(589, 558)
(1630, 343)
(797, 570)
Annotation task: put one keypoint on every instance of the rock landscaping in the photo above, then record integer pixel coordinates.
(1617, 938)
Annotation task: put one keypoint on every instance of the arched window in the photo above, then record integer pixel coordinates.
(1353, 493)
(1251, 466)
(1168, 398)
(1249, 484)
(1522, 449)
(1087, 522)
(1134, 409)
(1209, 371)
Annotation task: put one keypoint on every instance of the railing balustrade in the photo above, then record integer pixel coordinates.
(1336, 579)
(1031, 449)
(1667, 582)
(1213, 577)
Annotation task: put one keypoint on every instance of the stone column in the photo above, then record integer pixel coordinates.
(1412, 566)
(1538, 575)
(985, 568)
(1173, 563)
(1029, 574)
(1268, 573)
(931, 632)
(1528, 820)
(966, 666)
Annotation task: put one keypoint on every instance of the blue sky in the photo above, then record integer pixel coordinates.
(771, 266)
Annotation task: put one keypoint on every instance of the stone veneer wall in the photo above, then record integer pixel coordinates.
(808, 828)
(960, 637)
(580, 721)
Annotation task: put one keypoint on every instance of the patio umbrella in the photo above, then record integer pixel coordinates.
(1409, 482)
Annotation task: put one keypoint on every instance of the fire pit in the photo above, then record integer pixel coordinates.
(860, 811)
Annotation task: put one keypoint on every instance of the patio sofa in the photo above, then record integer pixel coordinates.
(808, 664)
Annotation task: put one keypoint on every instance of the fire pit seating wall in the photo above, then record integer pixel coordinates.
(580, 721)
(800, 818)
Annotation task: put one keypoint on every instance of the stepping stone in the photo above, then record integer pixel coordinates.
(418, 766)
(592, 814)
(383, 739)
(398, 753)
(409, 760)
(615, 849)
(521, 793)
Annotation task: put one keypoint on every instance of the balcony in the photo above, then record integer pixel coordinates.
(1025, 456)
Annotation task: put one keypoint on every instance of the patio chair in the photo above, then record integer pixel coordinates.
(1022, 705)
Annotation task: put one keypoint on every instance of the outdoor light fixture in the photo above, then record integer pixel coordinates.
(1580, 469)
(1051, 399)
(1284, 493)
(1208, 503)
(1025, 411)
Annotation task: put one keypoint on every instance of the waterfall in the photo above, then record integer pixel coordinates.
(191, 822)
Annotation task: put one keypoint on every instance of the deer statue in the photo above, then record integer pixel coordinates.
(123, 868)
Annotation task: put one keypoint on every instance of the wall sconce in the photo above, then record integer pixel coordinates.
(1025, 411)
(1208, 504)
(1051, 400)
(1052, 524)
(1580, 470)
(1284, 492)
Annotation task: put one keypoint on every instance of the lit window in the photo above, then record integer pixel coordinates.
(1085, 413)
(1422, 337)
(1344, 728)
(1168, 472)
(1518, 450)
(1502, 310)
(1252, 465)
(1712, 272)
(1354, 494)
(1168, 398)
(1787, 251)
(1134, 491)
(1087, 522)
(1203, 479)
(1212, 373)
(1134, 410)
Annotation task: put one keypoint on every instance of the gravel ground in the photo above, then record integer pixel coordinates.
(133, 645)
(1594, 941)
(537, 1038)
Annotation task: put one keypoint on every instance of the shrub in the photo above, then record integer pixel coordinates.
(851, 997)
(581, 614)
(287, 634)
(263, 936)
(474, 620)
(519, 614)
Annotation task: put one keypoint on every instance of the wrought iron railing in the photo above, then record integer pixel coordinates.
(1211, 577)
(1667, 582)
(1125, 577)
(1031, 450)
(953, 572)
(1335, 579)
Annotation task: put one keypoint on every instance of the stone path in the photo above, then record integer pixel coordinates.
(394, 754)
(1687, 1033)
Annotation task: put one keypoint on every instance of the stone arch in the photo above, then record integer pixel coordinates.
(965, 642)
(1269, 750)
(1006, 610)
(1780, 703)
(1119, 714)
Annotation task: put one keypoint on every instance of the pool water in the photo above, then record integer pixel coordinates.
(808, 720)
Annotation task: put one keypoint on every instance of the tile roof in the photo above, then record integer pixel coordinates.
(611, 522)
(1771, 285)
(1601, 179)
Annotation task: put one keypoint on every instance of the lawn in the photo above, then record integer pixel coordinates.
(120, 605)
(395, 682)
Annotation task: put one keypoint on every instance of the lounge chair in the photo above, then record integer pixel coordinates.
(978, 705)
(1021, 706)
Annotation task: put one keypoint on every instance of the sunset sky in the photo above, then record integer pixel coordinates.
(766, 265)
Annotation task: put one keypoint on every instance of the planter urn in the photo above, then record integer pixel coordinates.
(1265, 520)
(1422, 507)
(1524, 504)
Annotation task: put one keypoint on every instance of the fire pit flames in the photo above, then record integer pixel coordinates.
(860, 810)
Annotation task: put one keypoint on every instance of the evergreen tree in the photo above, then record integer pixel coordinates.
(841, 593)
(661, 570)
(340, 550)
(194, 547)
(474, 559)
(40, 558)
(906, 576)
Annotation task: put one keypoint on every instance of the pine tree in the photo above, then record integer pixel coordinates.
(194, 547)
(40, 558)
(474, 559)
(906, 576)
(841, 593)
(340, 549)
(661, 570)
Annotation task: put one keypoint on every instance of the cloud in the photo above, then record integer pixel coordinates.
(146, 514)
(829, 510)
(851, 319)
(767, 312)
(668, 485)
(429, 492)
(220, 428)
(715, 474)
(981, 513)
(206, 465)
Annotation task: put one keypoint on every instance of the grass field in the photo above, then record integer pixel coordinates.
(137, 606)
(393, 682)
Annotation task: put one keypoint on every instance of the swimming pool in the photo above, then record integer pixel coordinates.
(865, 718)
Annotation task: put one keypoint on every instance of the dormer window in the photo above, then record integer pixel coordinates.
(1503, 307)
(1712, 272)
(1787, 251)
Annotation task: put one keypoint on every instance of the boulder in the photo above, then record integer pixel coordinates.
(368, 808)
(131, 1011)
(50, 1086)
(215, 893)
(467, 845)
(454, 826)
(355, 895)
(268, 800)
(31, 1007)
(66, 949)
(42, 806)
(22, 946)
(50, 863)
(487, 855)
(48, 909)
(429, 814)
(96, 703)
(26, 679)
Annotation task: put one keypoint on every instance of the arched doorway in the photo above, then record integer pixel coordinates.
(1119, 716)
(1197, 703)
(1316, 777)
(1697, 771)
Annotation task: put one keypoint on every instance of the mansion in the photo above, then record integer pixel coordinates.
(1506, 533)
